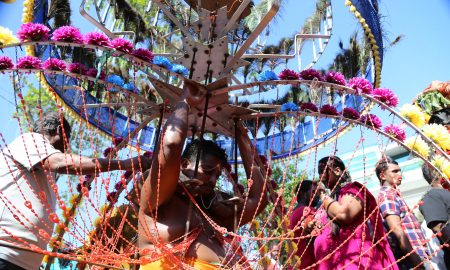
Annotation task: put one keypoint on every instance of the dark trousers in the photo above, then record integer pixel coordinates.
(5, 265)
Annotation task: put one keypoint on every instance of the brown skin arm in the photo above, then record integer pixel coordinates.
(343, 211)
(256, 199)
(395, 224)
(162, 182)
(74, 164)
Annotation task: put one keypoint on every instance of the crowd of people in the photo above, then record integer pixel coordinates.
(338, 223)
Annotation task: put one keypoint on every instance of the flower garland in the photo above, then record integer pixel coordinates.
(371, 120)
(288, 74)
(361, 85)
(6, 36)
(396, 132)
(33, 32)
(414, 114)
(350, 113)
(439, 134)
(442, 164)
(335, 77)
(386, 96)
(267, 75)
(329, 110)
(6, 63)
(418, 145)
(310, 74)
(68, 34)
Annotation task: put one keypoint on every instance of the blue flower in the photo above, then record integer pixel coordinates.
(267, 75)
(289, 107)
(162, 62)
(117, 80)
(180, 69)
(130, 87)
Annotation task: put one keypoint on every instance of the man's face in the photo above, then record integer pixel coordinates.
(209, 170)
(392, 175)
(59, 142)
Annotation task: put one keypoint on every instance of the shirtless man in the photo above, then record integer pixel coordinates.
(166, 212)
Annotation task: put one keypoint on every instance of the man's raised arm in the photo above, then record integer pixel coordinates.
(162, 182)
(256, 199)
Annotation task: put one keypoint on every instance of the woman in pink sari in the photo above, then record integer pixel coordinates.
(351, 229)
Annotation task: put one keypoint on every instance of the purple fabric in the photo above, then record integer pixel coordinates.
(352, 254)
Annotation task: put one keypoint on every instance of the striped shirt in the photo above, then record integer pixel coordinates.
(391, 203)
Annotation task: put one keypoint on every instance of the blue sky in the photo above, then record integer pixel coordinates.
(409, 67)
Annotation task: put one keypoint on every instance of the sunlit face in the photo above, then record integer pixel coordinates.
(392, 176)
(208, 172)
(328, 174)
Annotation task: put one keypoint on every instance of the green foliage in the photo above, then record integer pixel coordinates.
(352, 61)
(35, 98)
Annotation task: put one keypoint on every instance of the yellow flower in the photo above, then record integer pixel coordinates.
(417, 144)
(442, 164)
(6, 36)
(413, 114)
(439, 134)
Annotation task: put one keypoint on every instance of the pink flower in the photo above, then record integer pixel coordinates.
(117, 140)
(371, 120)
(328, 109)
(96, 38)
(143, 54)
(396, 132)
(68, 34)
(386, 96)
(288, 74)
(55, 64)
(92, 72)
(6, 63)
(308, 106)
(33, 32)
(350, 113)
(123, 45)
(361, 85)
(310, 74)
(29, 62)
(335, 77)
(77, 68)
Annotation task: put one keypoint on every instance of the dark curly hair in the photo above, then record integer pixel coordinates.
(49, 124)
(204, 147)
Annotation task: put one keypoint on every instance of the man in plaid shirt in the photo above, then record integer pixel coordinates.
(405, 234)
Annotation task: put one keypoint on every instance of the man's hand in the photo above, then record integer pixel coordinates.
(194, 93)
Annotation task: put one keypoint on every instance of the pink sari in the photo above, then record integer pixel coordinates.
(354, 246)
